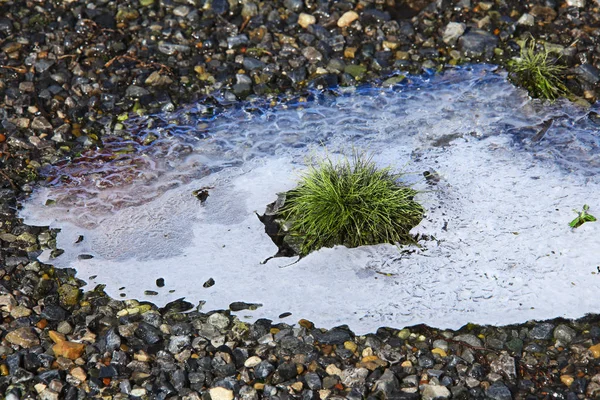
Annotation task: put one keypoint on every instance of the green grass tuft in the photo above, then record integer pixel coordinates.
(353, 203)
(538, 73)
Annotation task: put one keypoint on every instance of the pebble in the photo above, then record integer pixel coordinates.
(219, 393)
(347, 18)
(435, 392)
(452, 32)
(68, 350)
(24, 337)
(304, 20)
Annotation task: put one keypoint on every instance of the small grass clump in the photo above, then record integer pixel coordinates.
(353, 203)
(538, 73)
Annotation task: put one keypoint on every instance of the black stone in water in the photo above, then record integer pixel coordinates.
(285, 315)
(178, 305)
(79, 239)
(85, 256)
(150, 293)
(209, 283)
(160, 282)
(240, 305)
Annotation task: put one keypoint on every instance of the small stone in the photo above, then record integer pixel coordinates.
(156, 79)
(547, 14)
(404, 334)
(313, 381)
(439, 352)
(138, 392)
(56, 337)
(350, 52)
(136, 91)
(220, 393)
(387, 383)
(41, 123)
(567, 380)
(526, 20)
(53, 312)
(452, 32)
(350, 345)
(312, 54)
(347, 18)
(515, 345)
(79, 374)
(7, 299)
(178, 343)
(564, 334)
(498, 391)
(305, 20)
(357, 71)
(332, 369)
(435, 392)
(595, 350)
(478, 43)
(576, 3)
(469, 339)
(505, 365)
(588, 73)
(68, 295)
(263, 370)
(48, 394)
(297, 386)
(68, 350)
(252, 362)
(219, 321)
(20, 312)
(542, 331)
(294, 5)
(24, 337)
(181, 11)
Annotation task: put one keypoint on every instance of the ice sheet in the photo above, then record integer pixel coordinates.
(503, 250)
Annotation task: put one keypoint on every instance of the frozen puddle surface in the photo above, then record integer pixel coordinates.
(511, 171)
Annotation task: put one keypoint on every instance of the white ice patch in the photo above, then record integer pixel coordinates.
(503, 250)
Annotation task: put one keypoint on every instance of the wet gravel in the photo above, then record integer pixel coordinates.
(70, 71)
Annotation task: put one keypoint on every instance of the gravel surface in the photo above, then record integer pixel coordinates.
(70, 69)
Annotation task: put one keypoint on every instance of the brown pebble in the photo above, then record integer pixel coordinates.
(68, 350)
(306, 324)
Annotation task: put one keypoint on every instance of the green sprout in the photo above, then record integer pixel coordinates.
(538, 73)
(582, 217)
(350, 203)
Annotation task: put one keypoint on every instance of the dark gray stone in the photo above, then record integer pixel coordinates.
(387, 383)
(542, 331)
(499, 391)
(477, 43)
(313, 381)
(588, 73)
(564, 333)
(333, 336)
(148, 333)
(263, 370)
(287, 371)
(53, 312)
(136, 91)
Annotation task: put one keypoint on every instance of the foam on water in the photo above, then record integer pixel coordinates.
(511, 172)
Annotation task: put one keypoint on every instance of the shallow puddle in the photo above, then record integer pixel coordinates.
(511, 171)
